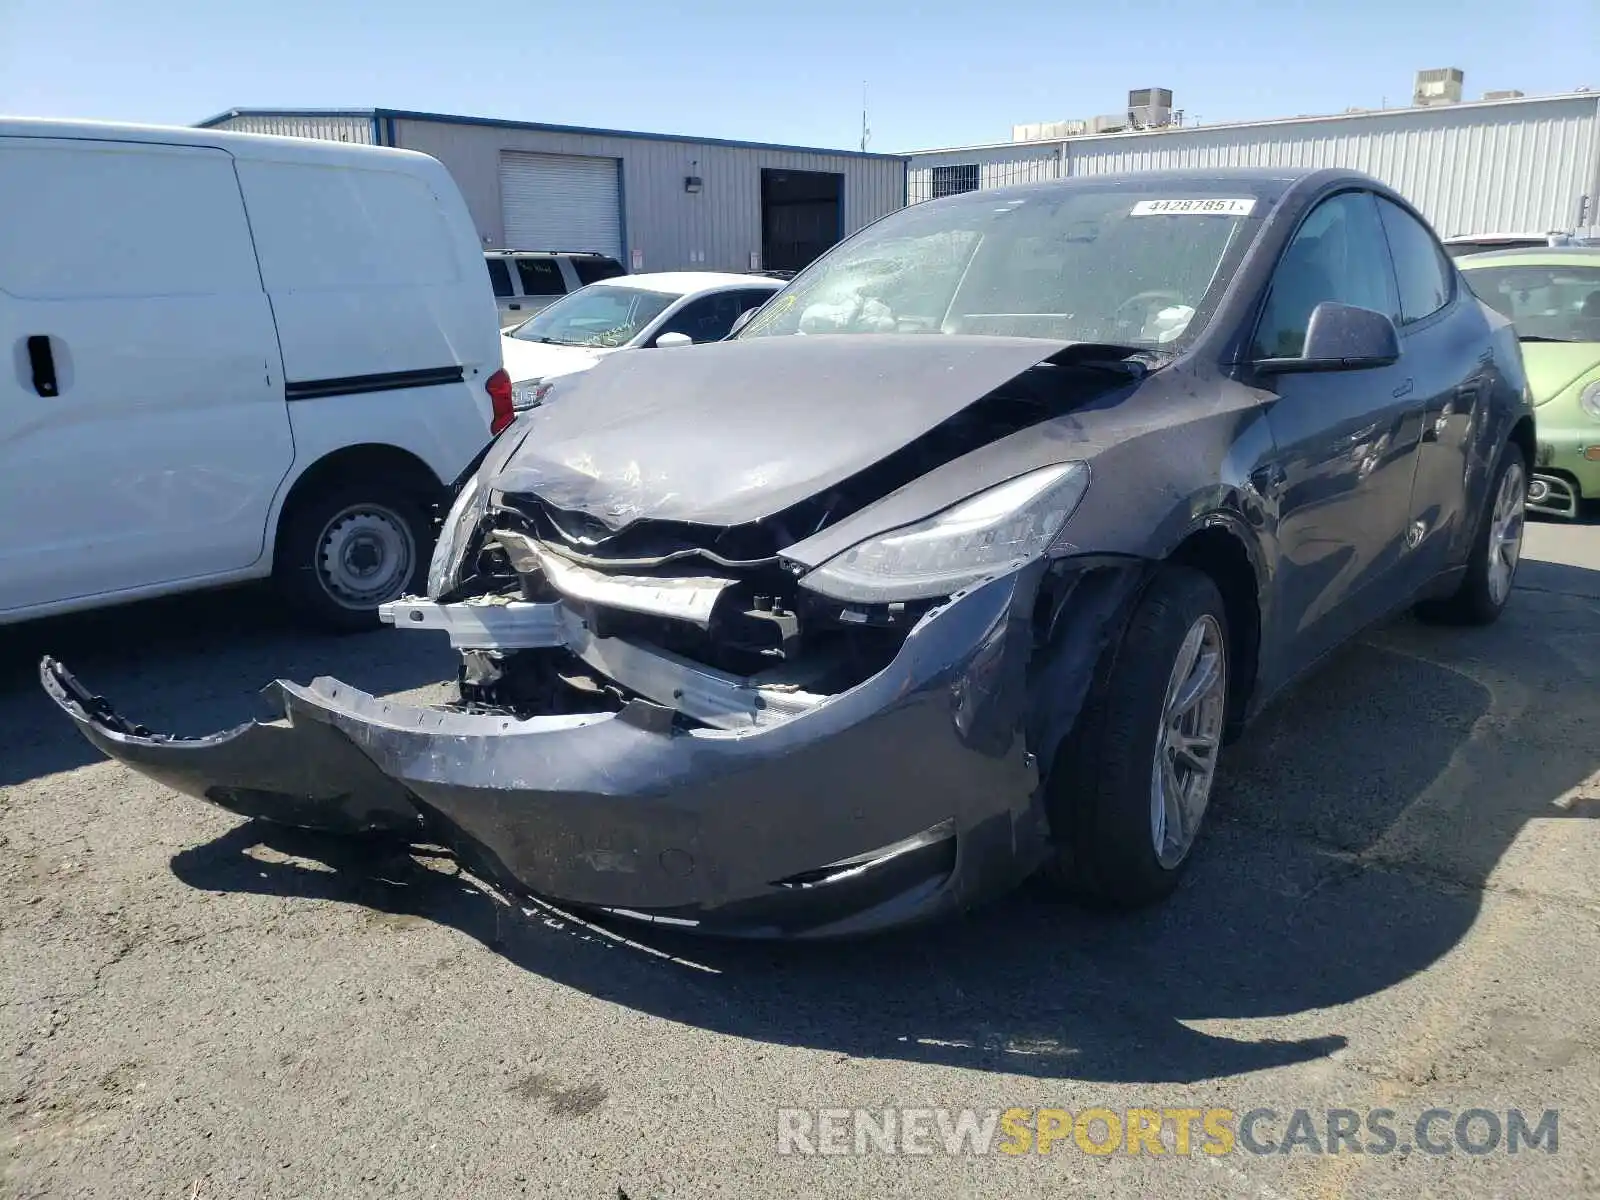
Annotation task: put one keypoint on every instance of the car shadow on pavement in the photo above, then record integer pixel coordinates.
(1352, 841)
(188, 665)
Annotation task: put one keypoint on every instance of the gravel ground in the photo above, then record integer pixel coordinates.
(1395, 908)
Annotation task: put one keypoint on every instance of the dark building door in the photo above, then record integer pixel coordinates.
(801, 216)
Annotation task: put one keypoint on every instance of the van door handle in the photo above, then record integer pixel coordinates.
(1403, 390)
(514, 307)
(43, 364)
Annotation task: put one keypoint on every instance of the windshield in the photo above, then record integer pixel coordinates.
(1546, 303)
(600, 315)
(1129, 265)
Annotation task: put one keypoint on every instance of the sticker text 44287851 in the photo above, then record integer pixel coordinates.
(1208, 207)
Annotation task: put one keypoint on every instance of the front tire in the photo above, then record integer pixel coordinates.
(1496, 550)
(346, 549)
(1131, 785)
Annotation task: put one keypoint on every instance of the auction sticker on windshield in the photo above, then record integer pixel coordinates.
(1202, 208)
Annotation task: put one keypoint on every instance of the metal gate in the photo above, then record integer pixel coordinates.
(560, 202)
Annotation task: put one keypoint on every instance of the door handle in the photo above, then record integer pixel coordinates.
(1403, 390)
(1268, 480)
(42, 362)
(514, 307)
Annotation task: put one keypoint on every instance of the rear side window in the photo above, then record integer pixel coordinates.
(756, 299)
(121, 220)
(330, 228)
(499, 276)
(540, 277)
(592, 270)
(1419, 267)
(708, 319)
(1337, 254)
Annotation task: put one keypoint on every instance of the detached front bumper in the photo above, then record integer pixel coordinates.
(906, 796)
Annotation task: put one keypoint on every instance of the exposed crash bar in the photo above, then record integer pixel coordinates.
(717, 698)
(683, 598)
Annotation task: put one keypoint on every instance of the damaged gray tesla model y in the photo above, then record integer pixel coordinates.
(959, 562)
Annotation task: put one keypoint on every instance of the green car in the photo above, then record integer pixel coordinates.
(1552, 296)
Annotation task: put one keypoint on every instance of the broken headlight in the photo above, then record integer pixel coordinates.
(455, 535)
(980, 536)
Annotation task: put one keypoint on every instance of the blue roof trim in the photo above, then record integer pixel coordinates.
(497, 123)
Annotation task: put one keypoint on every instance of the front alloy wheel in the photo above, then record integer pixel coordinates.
(1191, 736)
(1129, 790)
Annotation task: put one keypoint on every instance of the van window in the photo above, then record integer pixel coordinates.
(341, 228)
(109, 219)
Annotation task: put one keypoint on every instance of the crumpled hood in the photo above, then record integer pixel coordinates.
(731, 432)
(538, 360)
(1553, 367)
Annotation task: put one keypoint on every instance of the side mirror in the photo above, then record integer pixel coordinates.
(1341, 337)
(742, 320)
(668, 340)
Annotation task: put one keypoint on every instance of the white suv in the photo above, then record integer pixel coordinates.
(525, 281)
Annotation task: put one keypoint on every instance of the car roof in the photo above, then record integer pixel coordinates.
(682, 283)
(1529, 256)
(1267, 183)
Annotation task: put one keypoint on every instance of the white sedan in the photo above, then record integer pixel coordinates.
(631, 312)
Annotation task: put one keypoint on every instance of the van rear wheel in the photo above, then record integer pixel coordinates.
(347, 549)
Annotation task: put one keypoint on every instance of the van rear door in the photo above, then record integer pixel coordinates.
(377, 282)
(143, 430)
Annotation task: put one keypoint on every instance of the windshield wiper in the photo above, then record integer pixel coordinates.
(1539, 337)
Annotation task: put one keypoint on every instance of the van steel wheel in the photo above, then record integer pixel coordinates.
(347, 550)
(1129, 791)
(366, 556)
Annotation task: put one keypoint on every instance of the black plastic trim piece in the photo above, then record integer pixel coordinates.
(386, 381)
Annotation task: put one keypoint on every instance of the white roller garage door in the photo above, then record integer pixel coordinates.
(560, 202)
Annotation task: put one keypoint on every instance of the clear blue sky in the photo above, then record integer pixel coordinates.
(955, 74)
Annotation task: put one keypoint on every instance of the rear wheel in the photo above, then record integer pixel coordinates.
(1496, 550)
(1130, 789)
(347, 549)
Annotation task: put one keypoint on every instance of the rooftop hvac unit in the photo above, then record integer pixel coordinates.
(1441, 85)
(1149, 108)
(1509, 94)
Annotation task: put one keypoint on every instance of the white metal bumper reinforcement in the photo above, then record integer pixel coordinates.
(717, 698)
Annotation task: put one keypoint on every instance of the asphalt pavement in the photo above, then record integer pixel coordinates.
(1395, 908)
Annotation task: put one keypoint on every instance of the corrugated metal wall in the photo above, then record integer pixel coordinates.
(357, 130)
(1471, 169)
(717, 228)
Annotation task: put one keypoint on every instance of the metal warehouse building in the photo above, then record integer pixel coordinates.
(1518, 165)
(655, 202)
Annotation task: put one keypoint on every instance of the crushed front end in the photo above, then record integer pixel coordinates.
(806, 708)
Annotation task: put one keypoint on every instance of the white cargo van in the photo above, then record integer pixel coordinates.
(226, 357)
